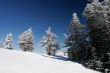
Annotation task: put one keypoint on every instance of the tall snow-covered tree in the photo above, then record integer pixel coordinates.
(26, 40)
(8, 41)
(98, 21)
(75, 41)
(49, 41)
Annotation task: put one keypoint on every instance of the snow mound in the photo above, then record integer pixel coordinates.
(12, 61)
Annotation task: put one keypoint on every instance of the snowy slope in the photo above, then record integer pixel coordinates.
(12, 61)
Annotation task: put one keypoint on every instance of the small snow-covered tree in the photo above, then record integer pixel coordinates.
(8, 41)
(75, 41)
(1, 45)
(26, 40)
(49, 41)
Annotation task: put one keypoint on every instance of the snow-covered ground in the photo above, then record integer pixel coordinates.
(12, 61)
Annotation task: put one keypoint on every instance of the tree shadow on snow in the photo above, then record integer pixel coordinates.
(60, 58)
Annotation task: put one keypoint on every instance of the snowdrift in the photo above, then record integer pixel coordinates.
(12, 61)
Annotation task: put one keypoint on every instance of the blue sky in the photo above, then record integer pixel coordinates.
(17, 16)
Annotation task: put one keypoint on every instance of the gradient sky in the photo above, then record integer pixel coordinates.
(17, 16)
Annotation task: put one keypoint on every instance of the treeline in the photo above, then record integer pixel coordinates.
(26, 41)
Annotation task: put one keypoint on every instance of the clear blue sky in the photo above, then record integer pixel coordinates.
(17, 16)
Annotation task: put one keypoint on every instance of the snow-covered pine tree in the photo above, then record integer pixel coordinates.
(1, 45)
(98, 21)
(49, 41)
(106, 6)
(26, 40)
(8, 41)
(75, 41)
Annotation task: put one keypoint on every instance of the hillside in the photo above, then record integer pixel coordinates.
(12, 61)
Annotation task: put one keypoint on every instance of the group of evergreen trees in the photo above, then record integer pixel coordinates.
(87, 44)
(90, 44)
(26, 41)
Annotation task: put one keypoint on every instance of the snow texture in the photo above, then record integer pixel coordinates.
(12, 61)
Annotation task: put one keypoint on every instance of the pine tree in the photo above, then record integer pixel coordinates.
(98, 20)
(1, 45)
(106, 6)
(8, 41)
(26, 40)
(49, 41)
(75, 41)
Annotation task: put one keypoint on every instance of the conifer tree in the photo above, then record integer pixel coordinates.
(26, 40)
(8, 41)
(49, 41)
(75, 41)
(98, 21)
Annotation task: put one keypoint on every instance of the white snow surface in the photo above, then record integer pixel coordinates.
(13, 61)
